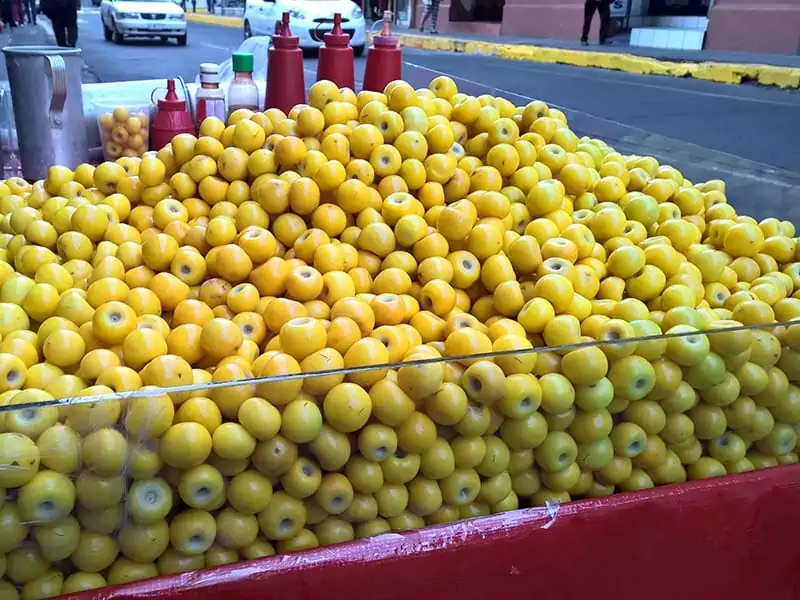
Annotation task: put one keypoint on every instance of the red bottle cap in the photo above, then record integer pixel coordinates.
(285, 40)
(385, 38)
(336, 37)
(171, 101)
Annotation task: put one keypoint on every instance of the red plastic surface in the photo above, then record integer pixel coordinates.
(285, 83)
(731, 538)
(171, 119)
(384, 59)
(336, 57)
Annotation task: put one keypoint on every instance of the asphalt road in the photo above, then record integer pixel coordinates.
(747, 135)
(145, 59)
(760, 124)
(755, 123)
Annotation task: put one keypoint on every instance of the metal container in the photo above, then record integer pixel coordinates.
(48, 107)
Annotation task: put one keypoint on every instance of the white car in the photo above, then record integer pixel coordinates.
(310, 19)
(143, 18)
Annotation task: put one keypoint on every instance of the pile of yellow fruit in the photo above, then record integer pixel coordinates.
(371, 233)
(123, 134)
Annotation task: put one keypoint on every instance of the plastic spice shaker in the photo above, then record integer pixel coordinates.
(210, 97)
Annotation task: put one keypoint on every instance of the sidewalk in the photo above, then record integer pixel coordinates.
(26, 35)
(226, 17)
(724, 67)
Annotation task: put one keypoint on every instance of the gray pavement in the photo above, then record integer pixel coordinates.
(620, 43)
(144, 59)
(759, 124)
(25, 35)
(756, 123)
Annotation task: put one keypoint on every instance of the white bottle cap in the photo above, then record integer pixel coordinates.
(209, 73)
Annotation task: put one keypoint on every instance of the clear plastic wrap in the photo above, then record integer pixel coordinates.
(109, 479)
(124, 130)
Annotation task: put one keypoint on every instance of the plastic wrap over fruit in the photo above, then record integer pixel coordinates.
(113, 475)
(363, 318)
(100, 99)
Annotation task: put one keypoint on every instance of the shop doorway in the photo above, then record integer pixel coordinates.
(484, 11)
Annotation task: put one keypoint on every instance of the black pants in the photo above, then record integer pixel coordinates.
(432, 12)
(6, 13)
(30, 10)
(604, 8)
(65, 27)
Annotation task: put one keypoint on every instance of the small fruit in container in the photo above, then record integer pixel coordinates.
(124, 133)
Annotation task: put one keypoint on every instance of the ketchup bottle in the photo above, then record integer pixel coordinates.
(384, 58)
(171, 119)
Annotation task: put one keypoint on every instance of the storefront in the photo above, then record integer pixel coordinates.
(750, 26)
(747, 25)
(678, 8)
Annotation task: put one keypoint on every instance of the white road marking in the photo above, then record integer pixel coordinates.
(594, 77)
(215, 46)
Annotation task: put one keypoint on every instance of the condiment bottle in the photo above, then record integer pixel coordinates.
(243, 92)
(210, 97)
(171, 119)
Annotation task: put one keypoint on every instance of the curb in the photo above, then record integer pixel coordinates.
(734, 74)
(214, 19)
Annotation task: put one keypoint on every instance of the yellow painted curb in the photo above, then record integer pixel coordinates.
(766, 75)
(214, 19)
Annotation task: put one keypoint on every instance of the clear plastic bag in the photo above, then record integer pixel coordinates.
(124, 130)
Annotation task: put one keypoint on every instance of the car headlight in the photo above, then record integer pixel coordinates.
(357, 13)
(297, 14)
(126, 15)
(177, 17)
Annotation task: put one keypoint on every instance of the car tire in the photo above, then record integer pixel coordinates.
(181, 40)
(358, 50)
(116, 36)
(248, 32)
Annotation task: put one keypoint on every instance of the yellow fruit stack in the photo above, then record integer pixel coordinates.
(393, 241)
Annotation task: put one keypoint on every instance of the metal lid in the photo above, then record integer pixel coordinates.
(40, 51)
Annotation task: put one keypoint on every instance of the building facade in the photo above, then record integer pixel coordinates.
(770, 26)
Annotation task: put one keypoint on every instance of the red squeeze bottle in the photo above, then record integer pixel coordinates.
(336, 57)
(171, 119)
(384, 58)
(285, 84)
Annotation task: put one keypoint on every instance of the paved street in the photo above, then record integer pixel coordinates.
(755, 123)
(144, 59)
(745, 134)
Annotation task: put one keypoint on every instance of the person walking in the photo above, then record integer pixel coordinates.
(30, 11)
(7, 13)
(64, 16)
(19, 17)
(432, 11)
(603, 7)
